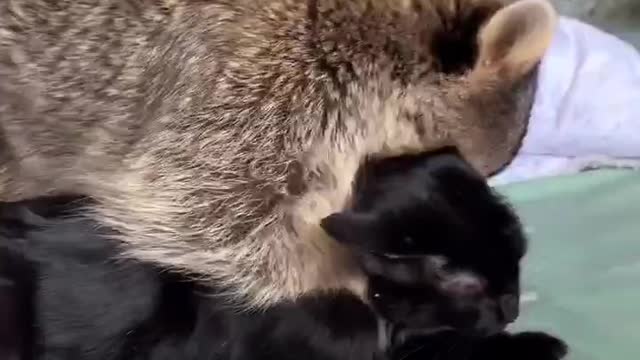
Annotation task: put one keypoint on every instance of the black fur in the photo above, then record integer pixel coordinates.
(16, 306)
(443, 249)
(87, 304)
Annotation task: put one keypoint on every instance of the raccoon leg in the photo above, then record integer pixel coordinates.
(149, 219)
(27, 177)
(4, 181)
(174, 219)
(16, 187)
(6, 168)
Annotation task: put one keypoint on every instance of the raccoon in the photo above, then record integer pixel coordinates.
(216, 134)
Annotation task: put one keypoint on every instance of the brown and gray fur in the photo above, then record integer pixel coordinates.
(215, 134)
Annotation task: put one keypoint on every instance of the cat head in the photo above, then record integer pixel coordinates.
(440, 248)
(430, 73)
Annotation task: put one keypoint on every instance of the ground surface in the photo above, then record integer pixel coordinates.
(581, 274)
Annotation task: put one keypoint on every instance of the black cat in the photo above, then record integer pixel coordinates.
(84, 302)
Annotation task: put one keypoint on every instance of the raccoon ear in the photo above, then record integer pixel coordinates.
(514, 39)
(349, 227)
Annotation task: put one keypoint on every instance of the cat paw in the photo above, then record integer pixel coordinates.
(541, 345)
(523, 346)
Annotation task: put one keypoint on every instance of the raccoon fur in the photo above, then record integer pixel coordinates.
(215, 134)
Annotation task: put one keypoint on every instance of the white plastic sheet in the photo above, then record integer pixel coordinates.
(587, 108)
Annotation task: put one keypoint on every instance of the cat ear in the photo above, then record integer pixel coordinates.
(349, 227)
(514, 39)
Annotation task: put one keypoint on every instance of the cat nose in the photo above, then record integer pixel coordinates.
(509, 307)
(464, 286)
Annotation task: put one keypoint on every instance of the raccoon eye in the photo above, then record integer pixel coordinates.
(377, 295)
(408, 240)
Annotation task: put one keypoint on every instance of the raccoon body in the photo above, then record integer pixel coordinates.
(215, 134)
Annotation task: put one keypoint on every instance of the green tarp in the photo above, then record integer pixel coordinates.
(582, 273)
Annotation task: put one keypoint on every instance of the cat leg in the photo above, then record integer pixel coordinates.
(449, 345)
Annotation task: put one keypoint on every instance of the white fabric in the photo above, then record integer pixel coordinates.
(586, 113)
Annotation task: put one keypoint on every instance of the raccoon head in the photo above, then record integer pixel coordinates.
(440, 249)
(421, 74)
